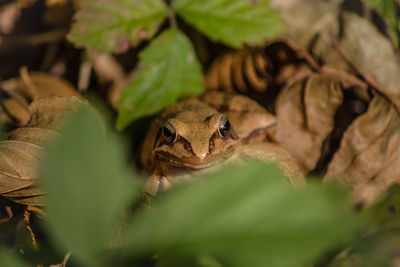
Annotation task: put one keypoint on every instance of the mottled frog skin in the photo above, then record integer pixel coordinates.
(200, 133)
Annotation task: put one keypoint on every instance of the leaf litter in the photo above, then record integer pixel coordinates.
(22, 152)
(349, 52)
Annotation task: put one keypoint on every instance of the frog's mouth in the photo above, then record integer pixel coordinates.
(172, 163)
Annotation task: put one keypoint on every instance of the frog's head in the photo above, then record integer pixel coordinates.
(194, 135)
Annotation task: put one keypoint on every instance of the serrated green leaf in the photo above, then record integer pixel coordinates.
(88, 184)
(113, 25)
(244, 216)
(168, 70)
(387, 9)
(233, 22)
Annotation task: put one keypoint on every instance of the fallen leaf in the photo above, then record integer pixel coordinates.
(18, 93)
(21, 153)
(317, 25)
(305, 113)
(368, 159)
(371, 53)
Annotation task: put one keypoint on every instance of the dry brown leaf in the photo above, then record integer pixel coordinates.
(369, 155)
(21, 153)
(304, 19)
(371, 53)
(305, 113)
(20, 92)
(242, 70)
(342, 34)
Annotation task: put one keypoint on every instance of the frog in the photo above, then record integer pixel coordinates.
(201, 133)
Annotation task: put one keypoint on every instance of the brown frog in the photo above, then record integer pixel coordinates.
(199, 133)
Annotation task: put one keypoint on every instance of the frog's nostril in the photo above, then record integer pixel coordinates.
(200, 151)
(202, 155)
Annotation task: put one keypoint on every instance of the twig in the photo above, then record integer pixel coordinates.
(32, 90)
(85, 71)
(28, 226)
(172, 18)
(33, 39)
(300, 51)
(108, 69)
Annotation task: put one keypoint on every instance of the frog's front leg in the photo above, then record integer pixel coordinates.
(152, 185)
(273, 153)
(155, 183)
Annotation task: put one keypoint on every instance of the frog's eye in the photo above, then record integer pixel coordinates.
(225, 130)
(169, 133)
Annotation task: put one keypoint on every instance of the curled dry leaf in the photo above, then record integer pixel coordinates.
(369, 155)
(305, 113)
(21, 153)
(18, 93)
(240, 70)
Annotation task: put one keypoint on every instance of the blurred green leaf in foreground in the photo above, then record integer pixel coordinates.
(88, 185)
(114, 25)
(380, 243)
(168, 69)
(244, 216)
(8, 258)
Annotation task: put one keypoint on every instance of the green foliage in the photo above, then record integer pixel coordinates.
(387, 211)
(387, 8)
(377, 249)
(9, 258)
(244, 216)
(168, 69)
(233, 22)
(382, 241)
(109, 25)
(88, 184)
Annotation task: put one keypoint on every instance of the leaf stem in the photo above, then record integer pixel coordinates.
(172, 19)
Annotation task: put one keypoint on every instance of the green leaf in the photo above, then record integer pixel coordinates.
(244, 216)
(113, 25)
(88, 185)
(233, 22)
(377, 249)
(380, 242)
(10, 259)
(168, 70)
(386, 212)
(387, 9)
